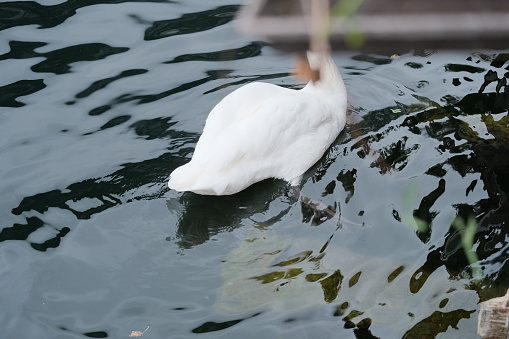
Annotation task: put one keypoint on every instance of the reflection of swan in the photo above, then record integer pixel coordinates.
(263, 131)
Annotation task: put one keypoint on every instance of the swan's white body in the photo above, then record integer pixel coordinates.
(263, 131)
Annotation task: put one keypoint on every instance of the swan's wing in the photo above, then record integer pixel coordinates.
(241, 102)
(234, 108)
(280, 137)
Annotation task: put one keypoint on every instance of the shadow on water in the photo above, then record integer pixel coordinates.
(205, 216)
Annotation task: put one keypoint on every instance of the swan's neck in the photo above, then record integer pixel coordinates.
(330, 78)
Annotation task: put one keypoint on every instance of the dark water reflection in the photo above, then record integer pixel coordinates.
(191, 23)
(101, 100)
(20, 13)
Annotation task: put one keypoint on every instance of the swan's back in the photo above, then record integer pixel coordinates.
(262, 131)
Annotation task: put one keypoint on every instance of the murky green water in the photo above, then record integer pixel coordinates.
(101, 100)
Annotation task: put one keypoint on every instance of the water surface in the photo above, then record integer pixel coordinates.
(101, 100)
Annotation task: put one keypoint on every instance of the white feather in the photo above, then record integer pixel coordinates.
(263, 131)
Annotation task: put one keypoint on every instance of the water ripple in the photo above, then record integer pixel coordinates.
(21, 13)
(58, 61)
(22, 50)
(100, 84)
(191, 23)
(251, 50)
(9, 93)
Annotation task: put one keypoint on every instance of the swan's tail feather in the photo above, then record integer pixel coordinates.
(182, 178)
(193, 179)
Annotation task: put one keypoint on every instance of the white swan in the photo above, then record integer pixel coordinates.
(263, 131)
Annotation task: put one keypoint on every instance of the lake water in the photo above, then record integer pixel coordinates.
(101, 100)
